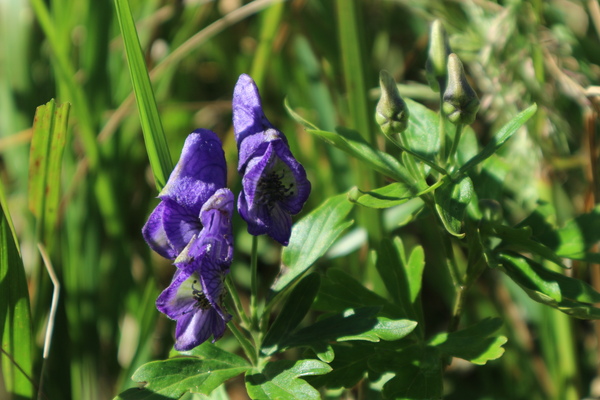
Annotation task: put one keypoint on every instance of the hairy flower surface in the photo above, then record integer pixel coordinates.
(274, 183)
(201, 170)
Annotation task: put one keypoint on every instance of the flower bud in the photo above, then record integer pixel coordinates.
(460, 100)
(439, 49)
(391, 113)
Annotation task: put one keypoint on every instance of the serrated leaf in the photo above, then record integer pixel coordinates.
(569, 295)
(451, 201)
(198, 371)
(474, 343)
(500, 138)
(354, 144)
(295, 308)
(15, 315)
(45, 163)
(385, 197)
(280, 380)
(311, 237)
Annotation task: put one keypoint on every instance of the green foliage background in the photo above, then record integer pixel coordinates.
(324, 57)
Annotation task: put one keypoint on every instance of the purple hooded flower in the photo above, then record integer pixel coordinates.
(201, 170)
(192, 225)
(274, 184)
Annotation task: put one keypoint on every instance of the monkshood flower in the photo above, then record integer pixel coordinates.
(274, 184)
(201, 170)
(192, 225)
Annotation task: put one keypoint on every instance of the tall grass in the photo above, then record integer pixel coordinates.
(317, 54)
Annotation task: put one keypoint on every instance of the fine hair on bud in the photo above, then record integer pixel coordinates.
(391, 112)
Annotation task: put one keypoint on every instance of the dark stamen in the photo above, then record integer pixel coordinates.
(272, 190)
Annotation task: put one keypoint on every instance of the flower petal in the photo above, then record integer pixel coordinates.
(216, 217)
(201, 170)
(195, 328)
(180, 224)
(248, 115)
(212, 277)
(177, 299)
(155, 235)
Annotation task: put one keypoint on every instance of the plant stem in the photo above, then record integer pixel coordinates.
(453, 150)
(237, 302)
(442, 130)
(254, 283)
(251, 351)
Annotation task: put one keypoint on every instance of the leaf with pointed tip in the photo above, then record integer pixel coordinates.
(311, 237)
(281, 380)
(474, 343)
(500, 138)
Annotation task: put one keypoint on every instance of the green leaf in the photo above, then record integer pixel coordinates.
(519, 239)
(422, 135)
(45, 163)
(474, 343)
(451, 201)
(576, 237)
(352, 143)
(385, 197)
(500, 138)
(569, 295)
(417, 369)
(198, 371)
(339, 291)
(154, 136)
(280, 380)
(385, 329)
(15, 315)
(349, 366)
(311, 237)
(402, 279)
(295, 308)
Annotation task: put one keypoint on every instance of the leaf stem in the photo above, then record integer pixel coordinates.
(251, 351)
(442, 129)
(254, 283)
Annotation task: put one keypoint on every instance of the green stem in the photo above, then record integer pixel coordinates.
(418, 156)
(237, 302)
(254, 283)
(442, 130)
(454, 149)
(251, 351)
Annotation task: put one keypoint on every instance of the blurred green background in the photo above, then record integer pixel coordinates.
(516, 52)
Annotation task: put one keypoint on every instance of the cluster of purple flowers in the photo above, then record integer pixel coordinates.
(192, 223)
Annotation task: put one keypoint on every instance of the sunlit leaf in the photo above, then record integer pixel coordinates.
(281, 380)
(198, 371)
(385, 197)
(311, 237)
(474, 343)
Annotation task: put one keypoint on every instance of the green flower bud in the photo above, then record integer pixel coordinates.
(391, 113)
(439, 49)
(460, 100)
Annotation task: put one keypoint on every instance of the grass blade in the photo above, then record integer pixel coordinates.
(154, 136)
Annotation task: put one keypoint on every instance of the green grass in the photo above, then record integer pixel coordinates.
(324, 57)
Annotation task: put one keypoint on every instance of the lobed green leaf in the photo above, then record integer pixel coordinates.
(451, 201)
(385, 197)
(199, 371)
(280, 380)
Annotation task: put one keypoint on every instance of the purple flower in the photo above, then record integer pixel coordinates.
(195, 300)
(192, 225)
(274, 184)
(201, 170)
